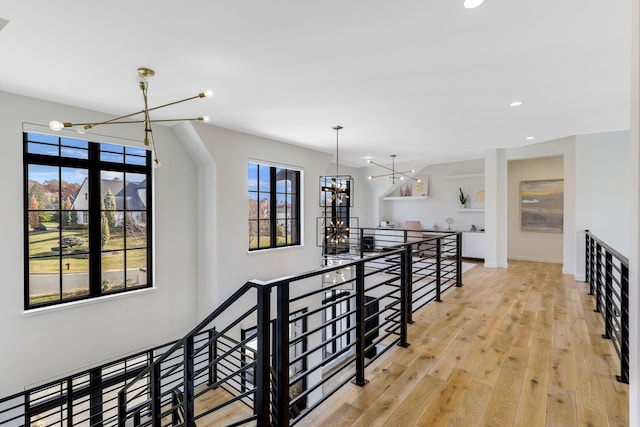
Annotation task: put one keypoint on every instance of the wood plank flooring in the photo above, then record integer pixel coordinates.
(514, 347)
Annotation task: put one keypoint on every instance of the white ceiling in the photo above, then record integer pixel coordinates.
(427, 80)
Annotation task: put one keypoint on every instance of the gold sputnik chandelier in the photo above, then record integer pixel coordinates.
(143, 75)
(401, 175)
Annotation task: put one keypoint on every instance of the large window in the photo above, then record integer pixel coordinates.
(87, 216)
(274, 207)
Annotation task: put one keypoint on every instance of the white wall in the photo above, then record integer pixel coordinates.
(443, 197)
(610, 188)
(528, 245)
(231, 151)
(50, 342)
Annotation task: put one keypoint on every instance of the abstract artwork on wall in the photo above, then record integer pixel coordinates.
(541, 205)
(477, 196)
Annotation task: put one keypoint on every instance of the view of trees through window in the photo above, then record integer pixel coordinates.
(86, 208)
(273, 206)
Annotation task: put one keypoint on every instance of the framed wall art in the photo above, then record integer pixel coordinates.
(541, 205)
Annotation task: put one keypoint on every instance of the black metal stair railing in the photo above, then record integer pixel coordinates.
(607, 272)
(271, 353)
(308, 340)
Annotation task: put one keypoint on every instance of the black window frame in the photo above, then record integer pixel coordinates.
(94, 165)
(295, 219)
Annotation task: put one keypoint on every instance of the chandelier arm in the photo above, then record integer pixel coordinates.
(106, 122)
(382, 166)
(380, 176)
(128, 122)
(187, 119)
(407, 176)
(91, 125)
(200, 95)
(118, 119)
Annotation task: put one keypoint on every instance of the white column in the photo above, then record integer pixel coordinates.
(495, 213)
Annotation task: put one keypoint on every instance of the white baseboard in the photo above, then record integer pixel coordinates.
(547, 260)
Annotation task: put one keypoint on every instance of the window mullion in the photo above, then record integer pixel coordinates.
(95, 236)
(273, 204)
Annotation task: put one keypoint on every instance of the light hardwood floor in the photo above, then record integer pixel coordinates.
(514, 347)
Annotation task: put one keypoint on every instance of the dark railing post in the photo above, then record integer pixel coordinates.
(282, 356)
(360, 326)
(438, 268)
(624, 325)
(598, 278)
(406, 281)
(459, 259)
(405, 295)
(587, 260)
(122, 409)
(95, 399)
(608, 295)
(188, 392)
(213, 353)
(70, 398)
(156, 393)
(361, 245)
(263, 370)
(592, 267)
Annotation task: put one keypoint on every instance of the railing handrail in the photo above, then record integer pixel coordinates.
(623, 259)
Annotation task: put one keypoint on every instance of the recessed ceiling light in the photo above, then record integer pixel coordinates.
(516, 103)
(470, 4)
(529, 138)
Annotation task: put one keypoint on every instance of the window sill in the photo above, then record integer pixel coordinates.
(73, 304)
(269, 250)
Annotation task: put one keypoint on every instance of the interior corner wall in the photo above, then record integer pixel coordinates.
(51, 342)
(528, 245)
(207, 222)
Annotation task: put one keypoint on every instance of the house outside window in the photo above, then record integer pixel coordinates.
(87, 217)
(273, 206)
